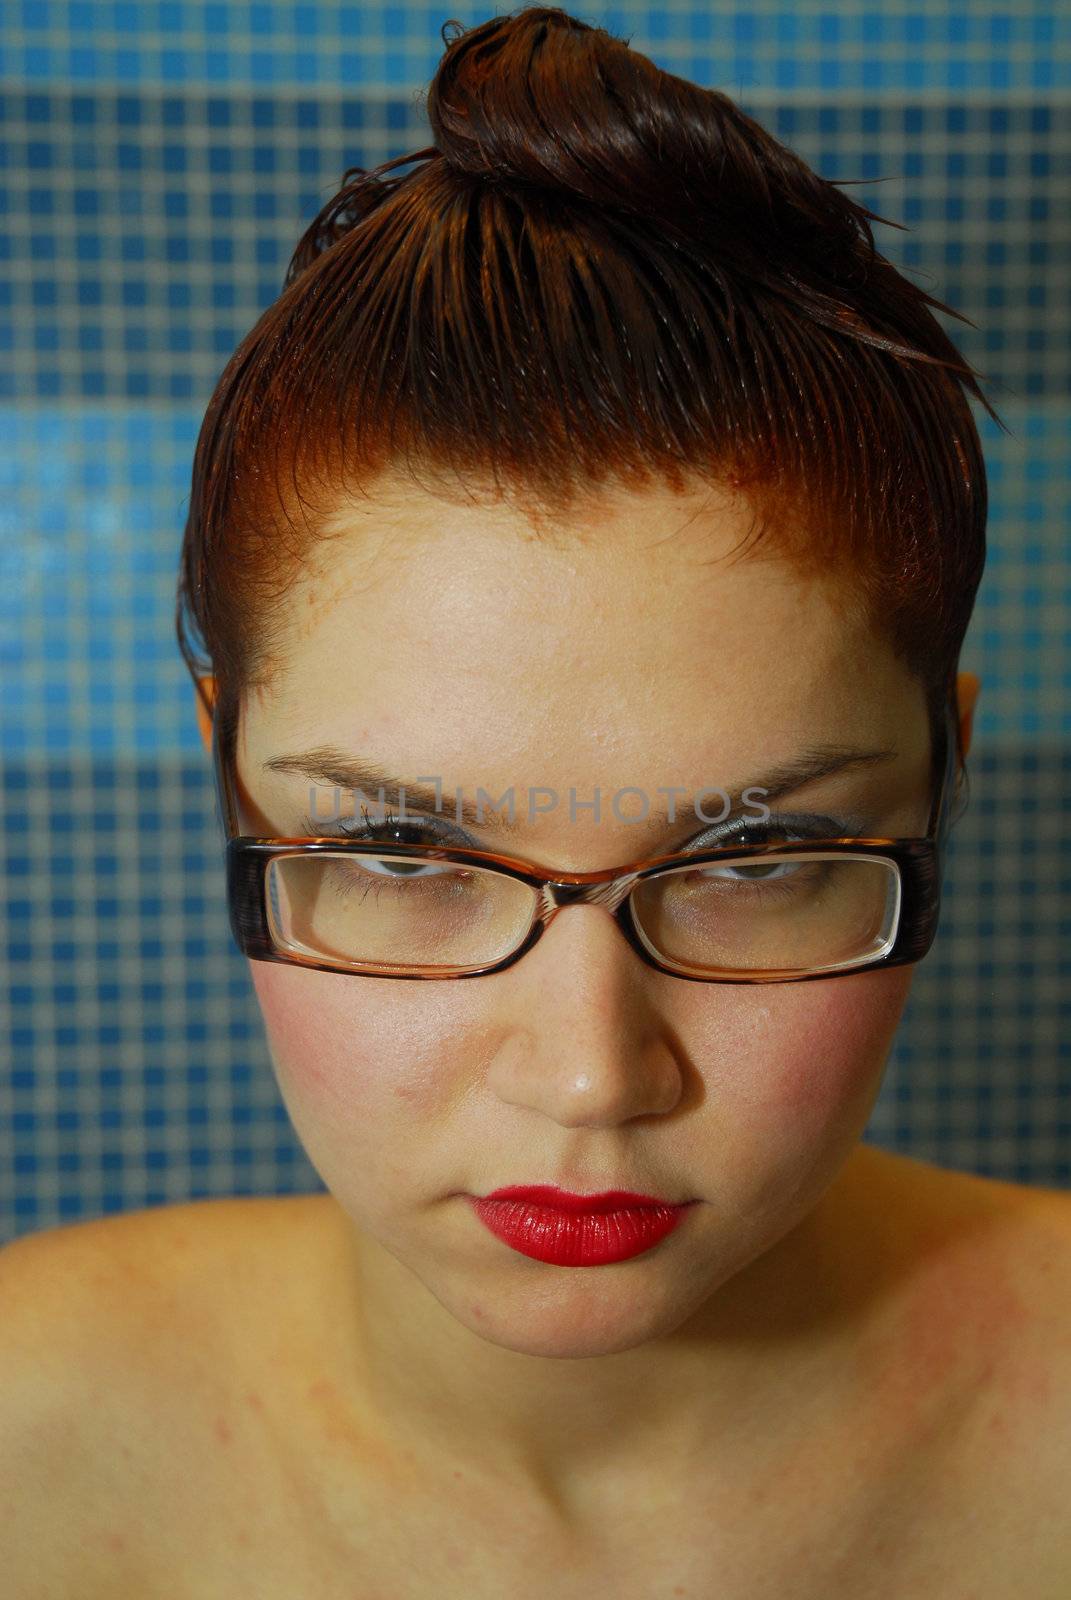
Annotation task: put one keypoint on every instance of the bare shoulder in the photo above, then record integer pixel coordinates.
(100, 1285)
(101, 1323)
(976, 1249)
(1028, 1226)
(982, 1306)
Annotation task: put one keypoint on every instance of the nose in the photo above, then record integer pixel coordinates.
(583, 1039)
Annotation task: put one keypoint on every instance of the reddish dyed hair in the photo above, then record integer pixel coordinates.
(598, 271)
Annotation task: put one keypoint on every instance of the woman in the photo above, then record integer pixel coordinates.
(595, 504)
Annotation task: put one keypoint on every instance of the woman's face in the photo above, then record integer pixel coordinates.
(441, 638)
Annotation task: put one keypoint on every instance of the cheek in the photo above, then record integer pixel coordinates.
(370, 1071)
(299, 1035)
(828, 1047)
(348, 1047)
(795, 1075)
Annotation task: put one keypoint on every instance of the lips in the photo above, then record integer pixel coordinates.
(575, 1230)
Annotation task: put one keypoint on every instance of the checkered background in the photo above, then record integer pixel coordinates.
(159, 161)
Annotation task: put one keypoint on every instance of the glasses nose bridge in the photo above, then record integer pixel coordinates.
(610, 894)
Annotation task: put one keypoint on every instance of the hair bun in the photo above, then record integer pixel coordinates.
(542, 98)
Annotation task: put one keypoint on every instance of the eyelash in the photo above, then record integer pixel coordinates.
(742, 830)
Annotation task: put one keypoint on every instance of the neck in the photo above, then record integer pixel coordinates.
(768, 1355)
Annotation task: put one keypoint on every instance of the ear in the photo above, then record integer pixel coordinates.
(205, 695)
(968, 686)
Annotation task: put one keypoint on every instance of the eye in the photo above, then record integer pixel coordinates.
(784, 828)
(752, 871)
(775, 829)
(413, 829)
(395, 830)
(389, 867)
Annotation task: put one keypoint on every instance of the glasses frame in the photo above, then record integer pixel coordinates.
(919, 863)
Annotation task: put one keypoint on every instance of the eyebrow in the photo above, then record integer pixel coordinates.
(329, 765)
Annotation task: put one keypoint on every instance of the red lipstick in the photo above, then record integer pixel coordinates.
(577, 1230)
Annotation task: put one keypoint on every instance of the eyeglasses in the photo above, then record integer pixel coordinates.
(775, 912)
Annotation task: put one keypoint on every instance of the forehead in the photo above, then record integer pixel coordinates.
(621, 624)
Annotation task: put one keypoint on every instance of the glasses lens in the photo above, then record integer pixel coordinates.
(397, 912)
(771, 914)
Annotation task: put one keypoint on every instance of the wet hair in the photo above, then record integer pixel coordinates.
(599, 273)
